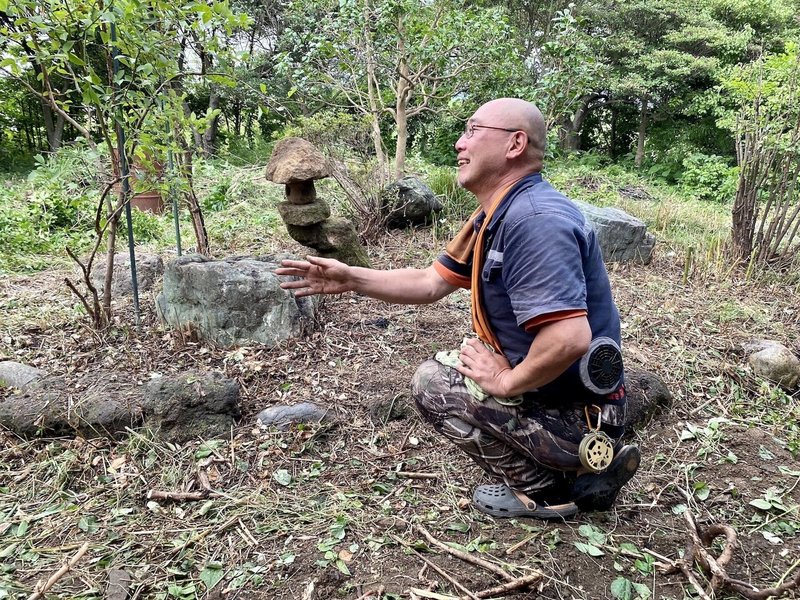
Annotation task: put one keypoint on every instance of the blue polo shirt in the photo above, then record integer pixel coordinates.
(542, 257)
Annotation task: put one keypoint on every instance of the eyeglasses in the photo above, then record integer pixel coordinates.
(470, 130)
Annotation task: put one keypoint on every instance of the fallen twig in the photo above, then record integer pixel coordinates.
(178, 496)
(413, 475)
(40, 589)
(469, 594)
(465, 557)
(520, 544)
(201, 494)
(517, 584)
(378, 592)
(420, 593)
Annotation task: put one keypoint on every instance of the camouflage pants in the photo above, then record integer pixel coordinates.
(532, 447)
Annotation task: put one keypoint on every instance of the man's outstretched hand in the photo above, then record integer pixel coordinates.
(317, 276)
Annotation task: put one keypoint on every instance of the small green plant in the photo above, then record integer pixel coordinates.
(147, 227)
(710, 437)
(772, 500)
(623, 588)
(646, 564)
(595, 540)
(328, 546)
(217, 198)
(212, 574)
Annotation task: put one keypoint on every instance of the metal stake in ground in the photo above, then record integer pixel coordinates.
(126, 187)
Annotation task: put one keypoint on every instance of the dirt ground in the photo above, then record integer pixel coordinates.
(341, 511)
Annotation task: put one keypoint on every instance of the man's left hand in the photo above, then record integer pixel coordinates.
(488, 369)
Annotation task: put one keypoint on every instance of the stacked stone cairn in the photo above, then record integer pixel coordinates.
(296, 163)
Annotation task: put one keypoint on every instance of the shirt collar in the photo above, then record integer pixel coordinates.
(527, 181)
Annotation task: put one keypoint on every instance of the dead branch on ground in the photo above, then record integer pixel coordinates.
(40, 588)
(697, 552)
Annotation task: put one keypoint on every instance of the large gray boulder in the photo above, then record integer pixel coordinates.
(775, 362)
(149, 267)
(177, 408)
(622, 237)
(18, 375)
(409, 202)
(185, 407)
(97, 406)
(234, 301)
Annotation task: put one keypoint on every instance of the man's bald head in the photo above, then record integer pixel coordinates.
(515, 113)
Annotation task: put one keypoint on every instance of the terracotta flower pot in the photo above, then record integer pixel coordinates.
(148, 200)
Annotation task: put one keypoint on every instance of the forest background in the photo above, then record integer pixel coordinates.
(685, 114)
(695, 95)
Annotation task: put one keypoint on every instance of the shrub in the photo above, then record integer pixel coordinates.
(247, 151)
(709, 177)
(53, 207)
(217, 198)
(435, 139)
(63, 189)
(147, 227)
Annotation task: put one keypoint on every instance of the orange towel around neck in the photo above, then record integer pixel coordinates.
(467, 242)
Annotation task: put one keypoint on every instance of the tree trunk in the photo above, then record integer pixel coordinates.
(570, 133)
(198, 223)
(27, 118)
(754, 165)
(209, 139)
(642, 132)
(237, 118)
(612, 144)
(248, 126)
(372, 94)
(198, 139)
(401, 120)
(113, 225)
(54, 129)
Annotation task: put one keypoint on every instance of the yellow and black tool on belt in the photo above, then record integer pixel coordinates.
(596, 450)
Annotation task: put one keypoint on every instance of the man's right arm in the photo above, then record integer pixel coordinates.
(399, 286)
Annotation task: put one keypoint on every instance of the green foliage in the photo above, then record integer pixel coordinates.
(61, 187)
(52, 207)
(341, 134)
(709, 177)
(457, 203)
(767, 19)
(568, 66)
(19, 230)
(247, 151)
(766, 92)
(217, 199)
(434, 139)
(766, 212)
(392, 60)
(147, 227)
(625, 589)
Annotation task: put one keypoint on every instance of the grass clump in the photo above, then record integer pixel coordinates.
(50, 208)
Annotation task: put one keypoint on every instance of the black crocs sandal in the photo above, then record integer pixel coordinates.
(598, 491)
(499, 500)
